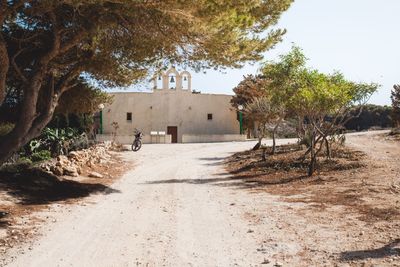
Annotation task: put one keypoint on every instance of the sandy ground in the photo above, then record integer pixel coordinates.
(179, 207)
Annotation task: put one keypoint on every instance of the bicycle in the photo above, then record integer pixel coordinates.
(137, 143)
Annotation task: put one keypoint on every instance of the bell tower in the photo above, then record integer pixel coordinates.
(172, 80)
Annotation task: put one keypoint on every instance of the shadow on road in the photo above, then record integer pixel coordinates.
(240, 182)
(34, 186)
(383, 252)
(226, 179)
(214, 161)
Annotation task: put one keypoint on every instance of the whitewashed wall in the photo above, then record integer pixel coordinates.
(209, 138)
(128, 139)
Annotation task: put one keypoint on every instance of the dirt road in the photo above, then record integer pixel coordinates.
(178, 207)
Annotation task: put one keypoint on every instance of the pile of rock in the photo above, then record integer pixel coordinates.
(73, 164)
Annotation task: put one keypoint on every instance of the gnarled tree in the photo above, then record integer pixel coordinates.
(45, 46)
(320, 96)
(263, 111)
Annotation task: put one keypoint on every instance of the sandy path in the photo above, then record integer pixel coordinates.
(172, 210)
(178, 207)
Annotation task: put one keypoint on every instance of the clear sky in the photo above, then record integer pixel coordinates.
(360, 38)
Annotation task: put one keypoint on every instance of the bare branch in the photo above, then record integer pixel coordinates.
(75, 40)
(63, 84)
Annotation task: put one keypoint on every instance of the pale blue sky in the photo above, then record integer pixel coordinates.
(360, 38)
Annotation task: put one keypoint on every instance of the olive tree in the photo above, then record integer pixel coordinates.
(283, 76)
(263, 111)
(321, 96)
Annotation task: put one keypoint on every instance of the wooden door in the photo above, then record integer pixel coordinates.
(173, 131)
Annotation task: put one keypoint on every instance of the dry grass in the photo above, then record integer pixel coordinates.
(339, 181)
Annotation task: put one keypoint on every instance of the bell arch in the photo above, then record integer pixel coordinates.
(186, 80)
(173, 78)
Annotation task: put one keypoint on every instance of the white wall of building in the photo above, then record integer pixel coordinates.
(165, 107)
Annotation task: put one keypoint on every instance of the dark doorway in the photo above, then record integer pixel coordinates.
(173, 131)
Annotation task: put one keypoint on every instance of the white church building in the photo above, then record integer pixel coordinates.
(171, 113)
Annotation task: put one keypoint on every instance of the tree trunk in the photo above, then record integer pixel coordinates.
(4, 66)
(66, 115)
(31, 121)
(258, 145)
(311, 167)
(263, 157)
(260, 136)
(33, 118)
(20, 136)
(328, 149)
(274, 135)
(273, 143)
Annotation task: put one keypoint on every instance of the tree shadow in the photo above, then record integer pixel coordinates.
(239, 179)
(3, 219)
(391, 249)
(34, 186)
(238, 182)
(213, 161)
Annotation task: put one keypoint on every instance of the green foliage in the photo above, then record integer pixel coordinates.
(5, 128)
(321, 103)
(118, 42)
(41, 156)
(56, 141)
(320, 96)
(367, 116)
(284, 76)
(82, 99)
(395, 97)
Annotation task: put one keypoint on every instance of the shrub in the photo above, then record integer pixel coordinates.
(56, 141)
(41, 156)
(17, 166)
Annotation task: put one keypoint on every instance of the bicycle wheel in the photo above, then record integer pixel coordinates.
(136, 145)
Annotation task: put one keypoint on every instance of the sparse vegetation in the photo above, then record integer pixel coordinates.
(395, 97)
(369, 116)
(264, 112)
(320, 103)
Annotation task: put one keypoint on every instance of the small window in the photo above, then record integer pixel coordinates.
(209, 116)
(129, 116)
